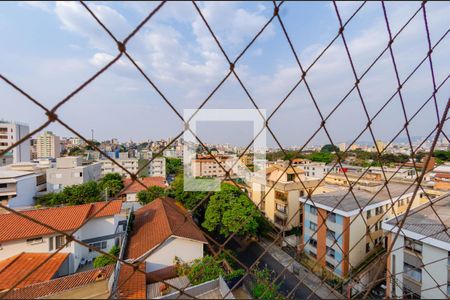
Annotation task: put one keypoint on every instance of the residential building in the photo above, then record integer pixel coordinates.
(277, 196)
(92, 284)
(48, 145)
(131, 189)
(317, 169)
(419, 264)
(209, 166)
(43, 268)
(12, 132)
(162, 231)
(105, 224)
(69, 171)
(20, 183)
(358, 234)
(157, 168)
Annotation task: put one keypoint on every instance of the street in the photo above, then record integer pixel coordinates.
(288, 280)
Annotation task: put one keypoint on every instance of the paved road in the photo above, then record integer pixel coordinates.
(288, 280)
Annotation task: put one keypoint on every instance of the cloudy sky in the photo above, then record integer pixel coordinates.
(49, 49)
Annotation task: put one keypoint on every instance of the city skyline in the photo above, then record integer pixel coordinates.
(71, 47)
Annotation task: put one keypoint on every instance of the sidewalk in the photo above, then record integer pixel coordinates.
(313, 282)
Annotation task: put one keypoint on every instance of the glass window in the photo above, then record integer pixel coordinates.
(313, 210)
(330, 265)
(332, 217)
(413, 245)
(412, 271)
(60, 240)
(313, 243)
(37, 240)
(330, 252)
(50, 244)
(331, 234)
(312, 226)
(369, 214)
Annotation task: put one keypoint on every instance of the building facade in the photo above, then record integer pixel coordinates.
(10, 133)
(48, 145)
(157, 168)
(69, 171)
(419, 263)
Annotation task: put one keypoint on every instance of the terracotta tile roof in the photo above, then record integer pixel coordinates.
(13, 269)
(157, 221)
(136, 187)
(15, 227)
(132, 286)
(442, 175)
(61, 284)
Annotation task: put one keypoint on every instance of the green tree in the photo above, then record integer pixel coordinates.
(150, 194)
(174, 166)
(201, 269)
(187, 198)
(325, 157)
(264, 288)
(328, 148)
(442, 155)
(103, 260)
(228, 209)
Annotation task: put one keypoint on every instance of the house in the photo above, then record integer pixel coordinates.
(131, 189)
(335, 216)
(70, 170)
(98, 224)
(92, 284)
(277, 196)
(419, 262)
(14, 270)
(162, 231)
(20, 183)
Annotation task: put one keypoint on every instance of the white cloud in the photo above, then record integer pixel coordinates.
(42, 5)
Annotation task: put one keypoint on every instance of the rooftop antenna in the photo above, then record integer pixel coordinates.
(92, 135)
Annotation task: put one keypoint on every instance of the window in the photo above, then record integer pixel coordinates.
(313, 210)
(312, 254)
(3, 185)
(331, 234)
(369, 214)
(50, 244)
(312, 226)
(313, 243)
(290, 177)
(281, 208)
(332, 217)
(413, 245)
(330, 252)
(412, 271)
(100, 245)
(367, 247)
(33, 241)
(302, 193)
(60, 240)
(330, 265)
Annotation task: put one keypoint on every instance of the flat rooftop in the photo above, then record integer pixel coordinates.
(424, 221)
(376, 195)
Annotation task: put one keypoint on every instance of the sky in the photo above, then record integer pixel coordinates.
(49, 49)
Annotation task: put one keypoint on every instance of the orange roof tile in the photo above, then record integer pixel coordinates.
(442, 175)
(13, 269)
(132, 286)
(136, 187)
(157, 221)
(61, 284)
(67, 218)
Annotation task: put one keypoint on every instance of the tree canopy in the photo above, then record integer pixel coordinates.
(150, 194)
(228, 209)
(328, 148)
(104, 260)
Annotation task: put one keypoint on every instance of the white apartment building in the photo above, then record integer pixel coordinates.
(70, 171)
(19, 184)
(103, 231)
(48, 145)
(11, 132)
(420, 258)
(157, 168)
(317, 169)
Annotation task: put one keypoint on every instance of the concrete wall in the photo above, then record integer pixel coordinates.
(186, 250)
(357, 245)
(71, 176)
(25, 191)
(436, 265)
